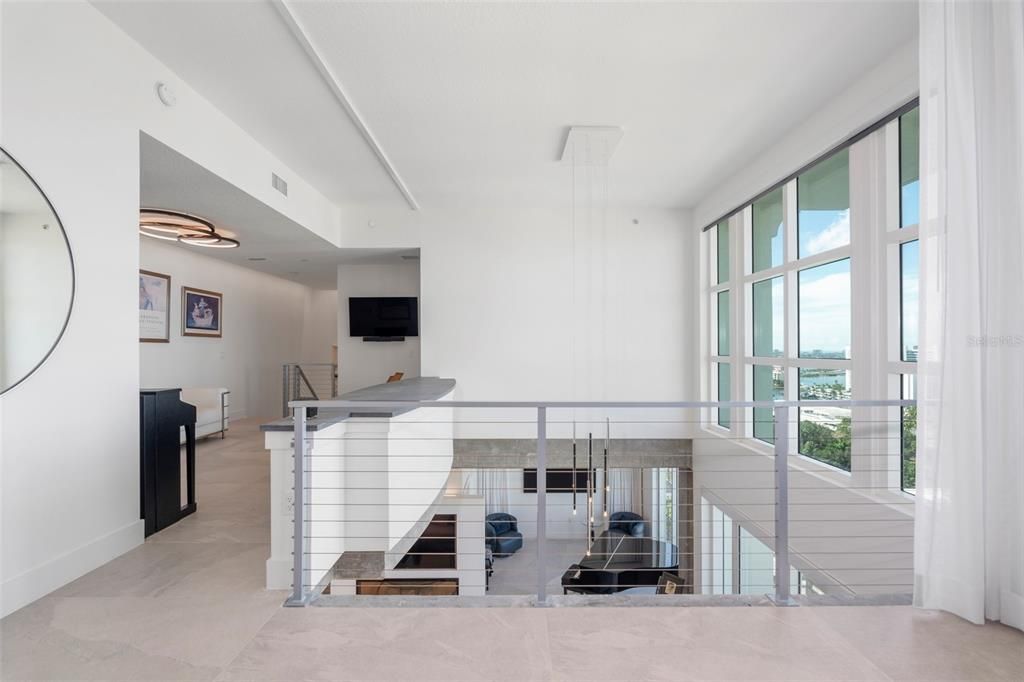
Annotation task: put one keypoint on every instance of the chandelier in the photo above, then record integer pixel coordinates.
(176, 226)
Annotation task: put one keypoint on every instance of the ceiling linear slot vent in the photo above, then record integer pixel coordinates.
(279, 184)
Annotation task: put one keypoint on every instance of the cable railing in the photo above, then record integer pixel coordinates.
(572, 502)
(307, 381)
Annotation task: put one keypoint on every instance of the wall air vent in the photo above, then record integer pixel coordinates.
(279, 184)
(410, 257)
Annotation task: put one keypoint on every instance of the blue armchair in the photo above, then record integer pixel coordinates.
(628, 523)
(502, 533)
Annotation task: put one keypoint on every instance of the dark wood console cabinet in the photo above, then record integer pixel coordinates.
(161, 415)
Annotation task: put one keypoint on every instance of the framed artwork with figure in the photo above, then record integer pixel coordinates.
(154, 307)
(201, 312)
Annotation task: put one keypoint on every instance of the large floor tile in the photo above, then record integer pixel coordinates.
(398, 644)
(190, 604)
(170, 569)
(912, 644)
(696, 644)
(129, 637)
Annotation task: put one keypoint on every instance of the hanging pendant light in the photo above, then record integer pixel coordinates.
(574, 467)
(607, 486)
(590, 491)
(587, 151)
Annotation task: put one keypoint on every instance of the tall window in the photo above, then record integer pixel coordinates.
(792, 284)
(664, 482)
(750, 570)
(908, 435)
(724, 393)
(823, 309)
(824, 333)
(769, 320)
(910, 175)
(716, 549)
(825, 431)
(723, 323)
(823, 198)
(909, 252)
(768, 232)
(909, 274)
(769, 384)
(722, 255)
(824, 315)
(722, 303)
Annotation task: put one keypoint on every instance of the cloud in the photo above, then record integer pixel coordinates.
(825, 310)
(834, 235)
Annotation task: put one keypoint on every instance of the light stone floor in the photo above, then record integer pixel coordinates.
(190, 604)
(517, 574)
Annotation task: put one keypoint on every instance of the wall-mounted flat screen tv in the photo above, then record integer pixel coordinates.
(559, 480)
(383, 317)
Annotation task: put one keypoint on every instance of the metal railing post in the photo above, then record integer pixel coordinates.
(298, 597)
(284, 391)
(782, 595)
(542, 503)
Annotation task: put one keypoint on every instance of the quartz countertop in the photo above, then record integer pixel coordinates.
(412, 390)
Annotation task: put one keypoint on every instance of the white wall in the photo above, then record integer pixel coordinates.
(320, 331)
(363, 363)
(76, 91)
(886, 87)
(265, 325)
(497, 312)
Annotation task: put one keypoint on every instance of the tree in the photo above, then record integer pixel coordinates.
(831, 445)
(908, 447)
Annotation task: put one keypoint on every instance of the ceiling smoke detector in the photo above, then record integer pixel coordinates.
(166, 95)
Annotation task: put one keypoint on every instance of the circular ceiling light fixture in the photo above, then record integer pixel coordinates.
(176, 226)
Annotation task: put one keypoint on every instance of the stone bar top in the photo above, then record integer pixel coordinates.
(413, 390)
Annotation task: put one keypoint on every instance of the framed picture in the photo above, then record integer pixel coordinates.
(669, 583)
(201, 312)
(154, 307)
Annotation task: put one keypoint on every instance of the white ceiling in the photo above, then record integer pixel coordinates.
(170, 180)
(472, 101)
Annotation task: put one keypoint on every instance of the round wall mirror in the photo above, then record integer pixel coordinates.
(37, 275)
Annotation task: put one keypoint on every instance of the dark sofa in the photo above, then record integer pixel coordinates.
(502, 533)
(628, 523)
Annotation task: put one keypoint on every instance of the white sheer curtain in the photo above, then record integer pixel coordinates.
(969, 531)
(624, 491)
(493, 484)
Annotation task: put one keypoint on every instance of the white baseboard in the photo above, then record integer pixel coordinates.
(38, 582)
